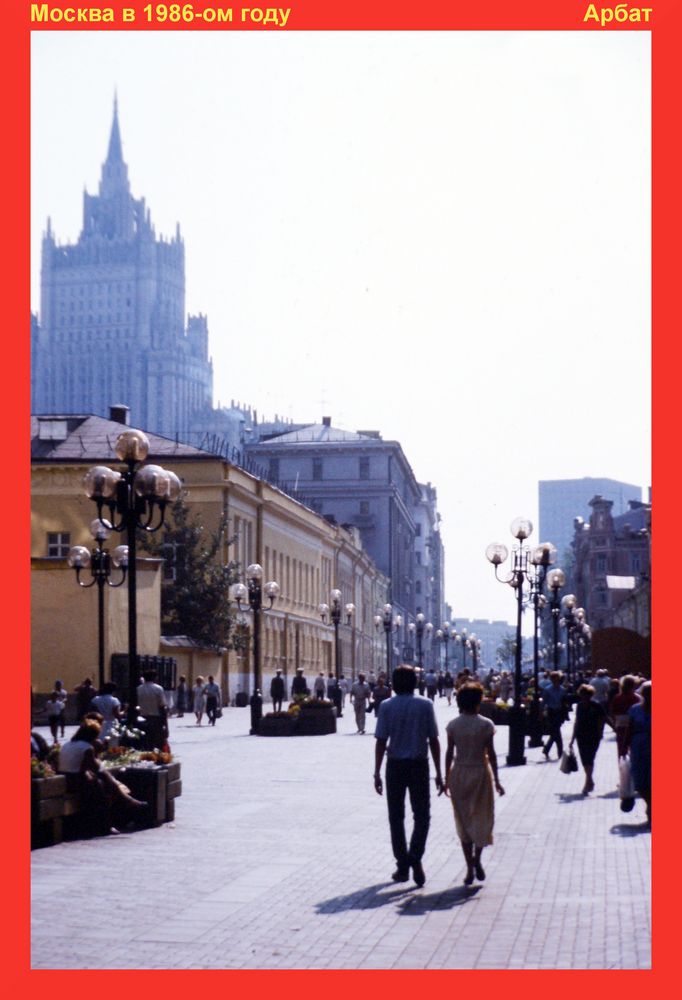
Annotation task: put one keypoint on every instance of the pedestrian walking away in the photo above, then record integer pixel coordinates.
(55, 714)
(85, 692)
(431, 681)
(588, 729)
(198, 699)
(406, 731)
(213, 700)
(360, 695)
(469, 781)
(638, 741)
(59, 694)
(151, 701)
(620, 707)
(277, 691)
(181, 695)
(554, 700)
(319, 686)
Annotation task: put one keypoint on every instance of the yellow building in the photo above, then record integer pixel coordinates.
(304, 553)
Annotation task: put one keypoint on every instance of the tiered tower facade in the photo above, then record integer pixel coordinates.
(112, 322)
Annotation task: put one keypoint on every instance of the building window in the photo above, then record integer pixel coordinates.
(418, 587)
(172, 555)
(417, 530)
(600, 564)
(58, 544)
(317, 468)
(364, 468)
(635, 563)
(602, 599)
(364, 506)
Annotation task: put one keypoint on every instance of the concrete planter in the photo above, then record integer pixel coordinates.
(316, 722)
(277, 725)
(54, 811)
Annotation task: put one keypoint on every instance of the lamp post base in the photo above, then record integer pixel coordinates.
(535, 726)
(517, 735)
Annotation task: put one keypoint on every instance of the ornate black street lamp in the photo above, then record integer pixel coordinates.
(253, 594)
(100, 562)
(134, 500)
(417, 628)
(523, 568)
(334, 612)
(577, 631)
(536, 581)
(475, 651)
(556, 579)
(390, 625)
(444, 634)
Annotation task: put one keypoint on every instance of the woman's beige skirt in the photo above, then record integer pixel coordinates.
(473, 802)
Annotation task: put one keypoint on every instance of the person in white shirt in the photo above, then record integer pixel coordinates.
(360, 695)
(151, 702)
(108, 706)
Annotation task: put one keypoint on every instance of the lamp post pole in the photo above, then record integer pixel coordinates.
(556, 579)
(100, 563)
(521, 572)
(389, 625)
(133, 499)
(334, 612)
(253, 593)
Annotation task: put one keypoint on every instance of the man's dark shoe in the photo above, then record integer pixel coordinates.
(418, 873)
(401, 875)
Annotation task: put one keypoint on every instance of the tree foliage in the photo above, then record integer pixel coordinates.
(195, 602)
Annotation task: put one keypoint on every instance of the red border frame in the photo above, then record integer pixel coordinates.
(322, 15)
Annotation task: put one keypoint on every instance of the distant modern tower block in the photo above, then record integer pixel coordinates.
(112, 323)
(561, 500)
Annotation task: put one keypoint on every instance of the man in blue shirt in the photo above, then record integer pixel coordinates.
(406, 729)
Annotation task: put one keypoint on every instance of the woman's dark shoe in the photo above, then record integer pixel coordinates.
(418, 873)
(469, 877)
(401, 875)
(480, 874)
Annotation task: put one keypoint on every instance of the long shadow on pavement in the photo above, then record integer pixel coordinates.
(566, 797)
(372, 897)
(630, 829)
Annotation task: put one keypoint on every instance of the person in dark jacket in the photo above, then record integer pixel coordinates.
(299, 685)
(588, 729)
(277, 690)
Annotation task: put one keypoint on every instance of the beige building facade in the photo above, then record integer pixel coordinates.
(304, 553)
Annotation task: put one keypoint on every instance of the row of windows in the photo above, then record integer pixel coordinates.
(317, 469)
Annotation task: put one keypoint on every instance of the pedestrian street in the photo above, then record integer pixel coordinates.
(279, 858)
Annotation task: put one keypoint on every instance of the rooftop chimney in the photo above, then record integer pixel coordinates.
(120, 413)
(326, 421)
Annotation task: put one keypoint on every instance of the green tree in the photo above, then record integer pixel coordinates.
(195, 597)
(506, 651)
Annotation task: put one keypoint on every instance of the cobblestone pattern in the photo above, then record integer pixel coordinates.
(280, 858)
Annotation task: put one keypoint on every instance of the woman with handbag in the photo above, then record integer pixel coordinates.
(588, 729)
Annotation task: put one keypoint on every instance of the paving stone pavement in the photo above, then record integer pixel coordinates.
(279, 858)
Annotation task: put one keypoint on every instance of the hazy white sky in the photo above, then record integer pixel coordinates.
(442, 236)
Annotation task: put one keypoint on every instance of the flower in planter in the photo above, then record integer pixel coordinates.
(41, 769)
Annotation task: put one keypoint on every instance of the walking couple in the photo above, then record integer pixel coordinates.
(405, 732)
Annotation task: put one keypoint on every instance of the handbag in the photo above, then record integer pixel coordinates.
(568, 764)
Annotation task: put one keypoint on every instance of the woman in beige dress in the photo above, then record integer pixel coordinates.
(470, 781)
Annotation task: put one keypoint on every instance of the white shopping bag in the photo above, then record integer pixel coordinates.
(626, 788)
